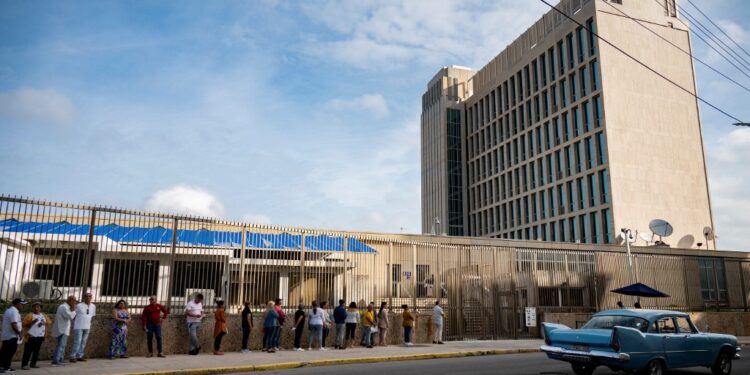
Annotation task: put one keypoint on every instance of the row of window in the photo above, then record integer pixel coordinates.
(593, 227)
(565, 198)
(570, 161)
(558, 97)
(565, 56)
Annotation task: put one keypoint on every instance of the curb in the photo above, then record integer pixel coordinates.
(332, 362)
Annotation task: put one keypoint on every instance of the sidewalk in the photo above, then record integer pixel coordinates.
(207, 363)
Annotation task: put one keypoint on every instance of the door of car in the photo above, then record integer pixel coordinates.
(674, 343)
(696, 344)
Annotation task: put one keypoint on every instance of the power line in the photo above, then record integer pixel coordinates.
(642, 63)
(697, 33)
(698, 25)
(720, 29)
(678, 47)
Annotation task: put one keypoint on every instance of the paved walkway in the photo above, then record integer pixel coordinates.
(207, 363)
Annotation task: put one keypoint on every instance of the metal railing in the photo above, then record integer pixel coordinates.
(50, 250)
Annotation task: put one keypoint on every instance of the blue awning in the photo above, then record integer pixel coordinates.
(189, 237)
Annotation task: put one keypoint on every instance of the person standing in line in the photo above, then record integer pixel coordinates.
(383, 324)
(327, 323)
(299, 327)
(220, 327)
(408, 324)
(85, 311)
(282, 320)
(368, 321)
(61, 328)
(339, 318)
(270, 324)
(11, 334)
(194, 317)
(121, 318)
(352, 318)
(35, 327)
(151, 317)
(437, 323)
(315, 326)
(247, 326)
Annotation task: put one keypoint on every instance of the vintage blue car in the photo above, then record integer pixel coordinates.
(644, 341)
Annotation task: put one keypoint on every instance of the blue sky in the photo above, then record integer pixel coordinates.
(288, 112)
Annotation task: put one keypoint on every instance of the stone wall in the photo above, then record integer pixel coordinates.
(175, 336)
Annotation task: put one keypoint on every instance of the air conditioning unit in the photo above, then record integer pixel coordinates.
(209, 295)
(37, 289)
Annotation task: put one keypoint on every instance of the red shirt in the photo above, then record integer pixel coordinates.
(152, 314)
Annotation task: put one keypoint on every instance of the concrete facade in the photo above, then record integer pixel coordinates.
(565, 138)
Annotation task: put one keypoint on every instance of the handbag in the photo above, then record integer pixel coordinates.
(373, 329)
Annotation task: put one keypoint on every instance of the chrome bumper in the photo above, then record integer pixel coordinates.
(737, 353)
(579, 356)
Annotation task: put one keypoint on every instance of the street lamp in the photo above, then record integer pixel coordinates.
(627, 234)
(435, 223)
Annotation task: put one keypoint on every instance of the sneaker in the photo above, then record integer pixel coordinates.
(160, 355)
(243, 351)
(271, 351)
(323, 349)
(149, 355)
(56, 364)
(434, 342)
(277, 349)
(72, 360)
(440, 342)
(409, 344)
(10, 369)
(309, 349)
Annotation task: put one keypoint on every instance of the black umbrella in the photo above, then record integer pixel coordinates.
(640, 290)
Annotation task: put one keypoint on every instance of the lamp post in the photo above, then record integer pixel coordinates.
(626, 234)
(435, 223)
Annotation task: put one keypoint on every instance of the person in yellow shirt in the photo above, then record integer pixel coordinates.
(34, 326)
(408, 324)
(368, 320)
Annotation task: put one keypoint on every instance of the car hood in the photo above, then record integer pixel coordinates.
(591, 337)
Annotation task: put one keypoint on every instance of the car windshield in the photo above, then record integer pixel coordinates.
(610, 321)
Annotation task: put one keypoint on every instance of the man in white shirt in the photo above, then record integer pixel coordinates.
(11, 334)
(437, 323)
(194, 316)
(61, 328)
(81, 327)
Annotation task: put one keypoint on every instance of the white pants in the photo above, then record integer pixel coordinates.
(438, 332)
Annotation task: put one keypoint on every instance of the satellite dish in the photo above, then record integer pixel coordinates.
(708, 233)
(661, 228)
(648, 237)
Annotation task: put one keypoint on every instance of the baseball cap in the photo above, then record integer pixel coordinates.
(19, 300)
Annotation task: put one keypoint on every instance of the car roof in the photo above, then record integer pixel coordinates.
(650, 315)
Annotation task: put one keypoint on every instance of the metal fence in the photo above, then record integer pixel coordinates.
(51, 250)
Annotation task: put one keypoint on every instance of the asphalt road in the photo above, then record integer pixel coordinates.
(517, 364)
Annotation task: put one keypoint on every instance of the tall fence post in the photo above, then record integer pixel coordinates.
(172, 250)
(389, 275)
(241, 291)
(302, 269)
(346, 268)
(89, 255)
(414, 277)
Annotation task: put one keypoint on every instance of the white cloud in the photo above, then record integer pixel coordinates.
(375, 104)
(729, 159)
(256, 219)
(37, 105)
(380, 35)
(187, 200)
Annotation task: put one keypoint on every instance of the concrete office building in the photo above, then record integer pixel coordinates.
(563, 138)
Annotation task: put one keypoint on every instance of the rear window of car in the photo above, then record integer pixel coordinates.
(610, 321)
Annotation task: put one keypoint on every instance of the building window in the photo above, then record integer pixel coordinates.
(577, 128)
(596, 228)
(598, 111)
(58, 265)
(604, 186)
(142, 276)
(563, 93)
(197, 275)
(713, 280)
(584, 77)
(592, 190)
(609, 235)
(601, 144)
(561, 58)
(573, 83)
(587, 116)
(589, 152)
(591, 26)
(571, 196)
(595, 75)
(571, 54)
(581, 193)
(581, 44)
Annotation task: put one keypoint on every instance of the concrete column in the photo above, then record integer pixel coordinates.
(284, 286)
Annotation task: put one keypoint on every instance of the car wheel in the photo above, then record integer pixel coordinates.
(723, 365)
(655, 367)
(583, 369)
